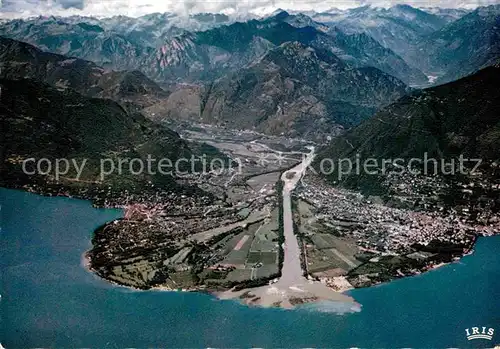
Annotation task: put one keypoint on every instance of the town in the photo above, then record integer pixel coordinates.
(233, 237)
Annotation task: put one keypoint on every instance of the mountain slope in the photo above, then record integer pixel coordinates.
(293, 90)
(445, 121)
(19, 60)
(40, 121)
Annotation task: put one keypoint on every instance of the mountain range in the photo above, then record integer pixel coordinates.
(208, 54)
(445, 44)
(399, 28)
(302, 75)
(293, 90)
(411, 44)
(290, 89)
(40, 121)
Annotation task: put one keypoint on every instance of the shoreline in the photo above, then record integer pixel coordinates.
(246, 296)
(259, 296)
(85, 262)
(271, 295)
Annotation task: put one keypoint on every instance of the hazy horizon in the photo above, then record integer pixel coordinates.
(135, 8)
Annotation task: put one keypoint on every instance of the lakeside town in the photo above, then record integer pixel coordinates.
(232, 236)
(235, 241)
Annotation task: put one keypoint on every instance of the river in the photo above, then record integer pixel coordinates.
(50, 300)
(292, 270)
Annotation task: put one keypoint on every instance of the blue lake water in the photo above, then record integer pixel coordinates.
(49, 300)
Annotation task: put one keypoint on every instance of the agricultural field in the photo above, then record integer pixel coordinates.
(326, 253)
(246, 254)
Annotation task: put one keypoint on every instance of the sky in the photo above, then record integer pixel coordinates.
(134, 8)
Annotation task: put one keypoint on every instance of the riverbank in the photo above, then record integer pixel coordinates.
(291, 288)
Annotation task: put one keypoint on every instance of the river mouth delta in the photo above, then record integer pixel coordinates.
(49, 299)
(273, 233)
(286, 266)
(291, 288)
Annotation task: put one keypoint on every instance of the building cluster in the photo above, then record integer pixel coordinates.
(380, 228)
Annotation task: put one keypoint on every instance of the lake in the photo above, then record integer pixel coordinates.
(48, 299)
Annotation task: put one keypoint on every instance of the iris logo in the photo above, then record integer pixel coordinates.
(479, 333)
